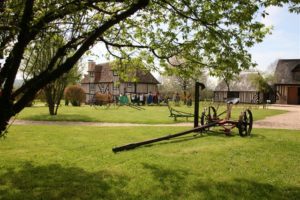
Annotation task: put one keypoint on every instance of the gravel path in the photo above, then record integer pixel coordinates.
(289, 120)
(68, 123)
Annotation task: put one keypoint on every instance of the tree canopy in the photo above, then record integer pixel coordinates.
(202, 32)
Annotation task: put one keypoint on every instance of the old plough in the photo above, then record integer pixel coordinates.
(208, 119)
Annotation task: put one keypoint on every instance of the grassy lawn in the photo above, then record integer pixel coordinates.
(151, 114)
(64, 162)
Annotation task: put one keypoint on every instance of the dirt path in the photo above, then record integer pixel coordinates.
(67, 123)
(289, 120)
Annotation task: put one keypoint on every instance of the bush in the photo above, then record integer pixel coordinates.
(75, 95)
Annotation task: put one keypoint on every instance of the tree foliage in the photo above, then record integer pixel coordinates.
(203, 32)
(75, 94)
(37, 59)
(263, 82)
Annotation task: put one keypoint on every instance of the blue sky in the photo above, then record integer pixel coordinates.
(283, 43)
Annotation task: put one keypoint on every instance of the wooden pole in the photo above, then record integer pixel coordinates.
(135, 145)
(197, 99)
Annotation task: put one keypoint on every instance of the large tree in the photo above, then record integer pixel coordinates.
(198, 30)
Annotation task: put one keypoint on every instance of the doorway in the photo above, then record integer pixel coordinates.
(293, 95)
(298, 95)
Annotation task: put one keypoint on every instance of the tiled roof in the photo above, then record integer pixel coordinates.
(104, 74)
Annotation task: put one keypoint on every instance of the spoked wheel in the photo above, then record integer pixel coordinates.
(245, 123)
(208, 115)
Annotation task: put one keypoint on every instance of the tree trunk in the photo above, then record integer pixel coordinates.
(227, 84)
(6, 112)
(51, 107)
(56, 108)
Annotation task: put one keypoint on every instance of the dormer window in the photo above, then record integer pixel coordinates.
(296, 73)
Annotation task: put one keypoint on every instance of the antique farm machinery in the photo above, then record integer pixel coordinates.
(209, 118)
(244, 123)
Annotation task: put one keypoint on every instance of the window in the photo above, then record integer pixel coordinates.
(92, 74)
(115, 73)
(92, 86)
(129, 85)
(233, 95)
(296, 76)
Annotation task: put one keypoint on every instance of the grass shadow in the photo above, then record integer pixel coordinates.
(176, 140)
(176, 184)
(170, 181)
(245, 189)
(60, 117)
(191, 136)
(58, 182)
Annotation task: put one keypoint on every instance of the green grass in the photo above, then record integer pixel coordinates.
(64, 162)
(125, 114)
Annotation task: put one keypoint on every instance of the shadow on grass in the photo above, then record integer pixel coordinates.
(174, 140)
(176, 183)
(171, 181)
(191, 136)
(60, 117)
(57, 182)
(245, 189)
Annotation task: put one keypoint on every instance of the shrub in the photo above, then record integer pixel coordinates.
(75, 95)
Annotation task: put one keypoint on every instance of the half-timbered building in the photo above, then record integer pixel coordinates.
(102, 78)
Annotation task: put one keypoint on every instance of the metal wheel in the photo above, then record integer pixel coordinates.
(245, 123)
(208, 117)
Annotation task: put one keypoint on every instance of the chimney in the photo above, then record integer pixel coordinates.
(91, 71)
(91, 66)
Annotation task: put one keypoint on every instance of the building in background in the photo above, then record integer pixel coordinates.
(102, 78)
(286, 89)
(243, 88)
(287, 86)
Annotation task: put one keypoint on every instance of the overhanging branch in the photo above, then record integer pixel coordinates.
(45, 78)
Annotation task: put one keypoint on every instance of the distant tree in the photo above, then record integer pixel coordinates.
(75, 94)
(227, 73)
(179, 76)
(37, 59)
(263, 82)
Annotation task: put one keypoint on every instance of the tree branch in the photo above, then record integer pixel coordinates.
(45, 78)
(12, 63)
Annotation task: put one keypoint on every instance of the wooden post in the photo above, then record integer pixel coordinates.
(135, 88)
(196, 107)
(197, 99)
